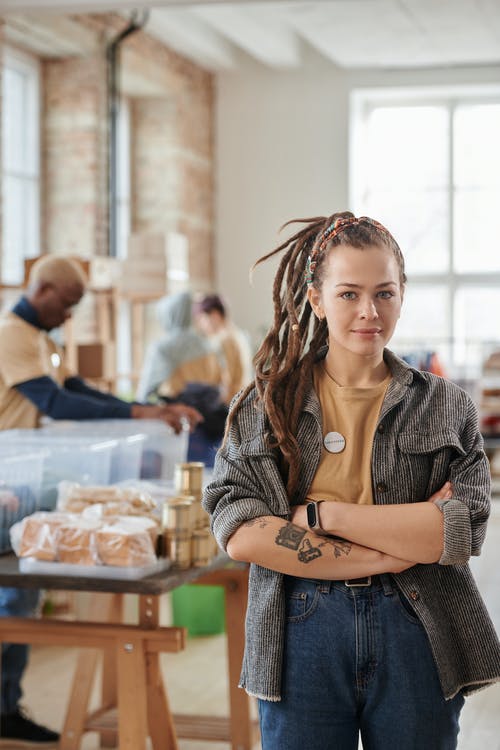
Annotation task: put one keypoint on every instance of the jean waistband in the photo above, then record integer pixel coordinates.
(356, 586)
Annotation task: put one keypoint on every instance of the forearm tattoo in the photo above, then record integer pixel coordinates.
(293, 537)
(290, 536)
(260, 522)
(340, 546)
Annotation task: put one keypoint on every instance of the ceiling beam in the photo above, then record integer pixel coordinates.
(189, 35)
(88, 6)
(260, 31)
(50, 35)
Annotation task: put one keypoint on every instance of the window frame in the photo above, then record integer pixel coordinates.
(363, 101)
(30, 173)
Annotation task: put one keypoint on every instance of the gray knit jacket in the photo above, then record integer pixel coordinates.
(427, 433)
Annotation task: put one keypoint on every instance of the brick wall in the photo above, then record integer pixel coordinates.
(172, 158)
(74, 205)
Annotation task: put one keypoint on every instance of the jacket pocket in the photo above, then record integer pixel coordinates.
(426, 457)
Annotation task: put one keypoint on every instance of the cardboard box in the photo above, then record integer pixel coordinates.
(95, 361)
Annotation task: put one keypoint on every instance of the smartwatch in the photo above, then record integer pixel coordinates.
(313, 515)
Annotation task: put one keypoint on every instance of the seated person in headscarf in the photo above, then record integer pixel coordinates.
(180, 357)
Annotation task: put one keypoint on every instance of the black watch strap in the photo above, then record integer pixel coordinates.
(312, 509)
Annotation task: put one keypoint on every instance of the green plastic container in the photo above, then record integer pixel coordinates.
(200, 609)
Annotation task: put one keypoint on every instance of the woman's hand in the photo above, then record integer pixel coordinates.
(445, 493)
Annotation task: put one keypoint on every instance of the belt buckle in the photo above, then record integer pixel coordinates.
(353, 583)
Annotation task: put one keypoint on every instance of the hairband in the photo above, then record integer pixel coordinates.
(338, 226)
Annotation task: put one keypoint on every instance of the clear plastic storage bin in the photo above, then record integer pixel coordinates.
(83, 459)
(162, 448)
(20, 488)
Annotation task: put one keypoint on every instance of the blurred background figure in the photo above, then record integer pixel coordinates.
(184, 366)
(212, 318)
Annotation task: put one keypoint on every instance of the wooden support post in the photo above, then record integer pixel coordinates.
(160, 721)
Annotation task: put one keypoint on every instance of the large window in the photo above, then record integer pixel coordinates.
(427, 164)
(20, 165)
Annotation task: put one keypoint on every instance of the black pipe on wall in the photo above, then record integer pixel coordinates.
(137, 22)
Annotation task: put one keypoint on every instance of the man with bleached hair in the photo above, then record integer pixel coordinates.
(35, 381)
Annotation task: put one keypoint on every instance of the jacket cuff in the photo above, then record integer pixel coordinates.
(457, 532)
(233, 515)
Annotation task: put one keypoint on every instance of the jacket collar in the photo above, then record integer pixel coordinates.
(25, 310)
(402, 377)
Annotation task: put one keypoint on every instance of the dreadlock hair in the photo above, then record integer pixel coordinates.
(285, 359)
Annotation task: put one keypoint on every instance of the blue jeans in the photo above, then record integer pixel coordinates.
(14, 603)
(356, 661)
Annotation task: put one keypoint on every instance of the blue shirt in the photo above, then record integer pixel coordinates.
(75, 400)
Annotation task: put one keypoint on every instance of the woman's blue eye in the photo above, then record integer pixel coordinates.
(348, 295)
(386, 294)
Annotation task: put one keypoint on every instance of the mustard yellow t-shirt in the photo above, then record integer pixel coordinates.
(353, 413)
(204, 369)
(26, 352)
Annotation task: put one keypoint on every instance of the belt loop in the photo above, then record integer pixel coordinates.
(324, 587)
(388, 584)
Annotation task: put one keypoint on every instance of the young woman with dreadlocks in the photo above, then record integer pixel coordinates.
(357, 488)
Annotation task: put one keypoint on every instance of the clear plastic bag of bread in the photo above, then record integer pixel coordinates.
(127, 541)
(115, 500)
(37, 535)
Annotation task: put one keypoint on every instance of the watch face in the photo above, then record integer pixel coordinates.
(312, 518)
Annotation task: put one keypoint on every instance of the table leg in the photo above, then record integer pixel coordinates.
(236, 603)
(160, 721)
(83, 680)
(109, 693)
(132, 711)
(101, 607)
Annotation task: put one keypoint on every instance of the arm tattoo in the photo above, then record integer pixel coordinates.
(261, 522)
(340, 546)
(290, 536)
(307, 552)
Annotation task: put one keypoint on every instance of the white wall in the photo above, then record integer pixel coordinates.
(282, 152)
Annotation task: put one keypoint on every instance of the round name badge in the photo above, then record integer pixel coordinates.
(334, 442)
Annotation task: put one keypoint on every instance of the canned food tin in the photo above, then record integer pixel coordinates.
(180, 514)
(201, 548)
(188, 478)
(178, 549)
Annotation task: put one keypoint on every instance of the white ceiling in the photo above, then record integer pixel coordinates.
(349, 33)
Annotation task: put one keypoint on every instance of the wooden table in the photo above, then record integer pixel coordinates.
(134, 698)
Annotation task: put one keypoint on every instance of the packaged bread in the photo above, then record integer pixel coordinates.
(76, 542)
(128, 501)
(39, 535)
(127, 542)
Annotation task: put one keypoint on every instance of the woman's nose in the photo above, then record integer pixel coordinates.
(368, 309)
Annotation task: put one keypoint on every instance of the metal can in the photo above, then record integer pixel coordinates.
(188, 478)
(180, 514)
(178, 549)
(201, 548)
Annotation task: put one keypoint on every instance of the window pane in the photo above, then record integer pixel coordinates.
(418, 219)
(476, 230)
(20, 166)
(424, 315)
(476, 152)
(20, 227)
(476, 314)
(13, 231)
(424, 325)
(14, 115)
(407, 146)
